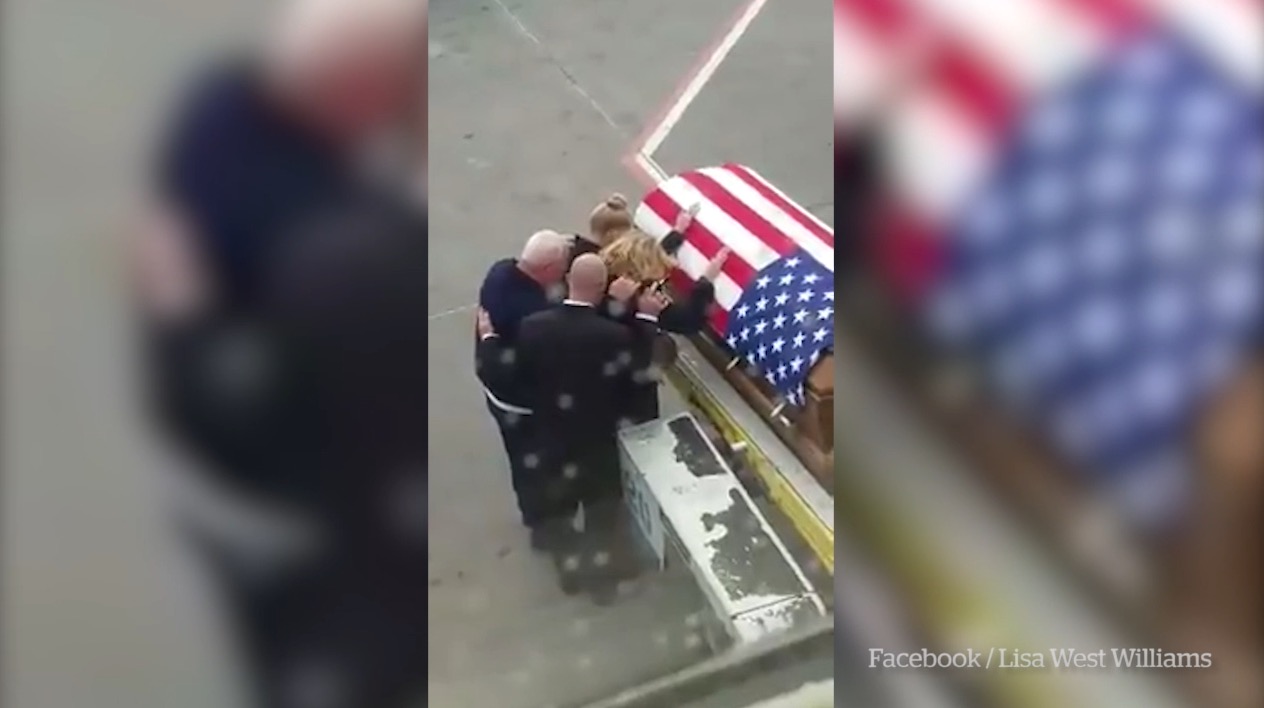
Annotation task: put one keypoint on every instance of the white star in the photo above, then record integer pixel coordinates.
(785, 279)
(1244, 225)
(760, 326)
(744, 334)
(1165, 310)
(986, 221)
(796, 364)
(819, 335)
(829, 295)
(811, 278)
(1110, 178)
(778, 344)
(1047, 195)
(1126, 116)
(805, 295)
(1099, 325)
(761, 304)
(798, 341)
(741, 311)
(1044, 271)
(800, 317)
(762, 282)
(761, 352)
(1173, 236)
(1157, 388)
(1234, 295)
(1204, 113)
(732, 340)
(792, 262)
(781, 372)
(1186, 169)
(781, 299)
(1052, 127)
(1105, 250)
(779, 321)
(825, 313)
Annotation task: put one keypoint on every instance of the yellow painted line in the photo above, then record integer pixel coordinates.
(958, 612)
(819, 536)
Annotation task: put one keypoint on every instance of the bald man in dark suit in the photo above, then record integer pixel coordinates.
(578, 371)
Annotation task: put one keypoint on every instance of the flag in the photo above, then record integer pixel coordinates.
(1089, 172)
(775, 295)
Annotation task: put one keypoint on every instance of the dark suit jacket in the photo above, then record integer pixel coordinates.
(857, 182)
(578, 366)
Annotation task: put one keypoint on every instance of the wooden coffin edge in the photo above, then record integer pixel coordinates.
(785, 420)
(1045, 497)
(1044, 493)
(775, 469)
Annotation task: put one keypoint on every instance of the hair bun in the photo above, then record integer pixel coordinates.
(617, 201)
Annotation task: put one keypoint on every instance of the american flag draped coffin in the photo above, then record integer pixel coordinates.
(775, 296)
(1071, 203)
(1086, 178)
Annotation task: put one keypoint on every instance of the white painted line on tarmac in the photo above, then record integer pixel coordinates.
(701, 76)
(453, 311)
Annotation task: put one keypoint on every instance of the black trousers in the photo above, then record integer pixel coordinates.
(599, 553)
(341, 626)
(527, 466)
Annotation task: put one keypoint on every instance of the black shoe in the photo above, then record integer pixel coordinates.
(540, 540)
(570, 584)
(605, 594)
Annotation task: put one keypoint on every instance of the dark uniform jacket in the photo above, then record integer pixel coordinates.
(245, 176)
(576, 368)
(857, 182)
(509, 296)
(685, 316)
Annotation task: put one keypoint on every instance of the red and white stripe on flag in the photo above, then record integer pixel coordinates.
(738, 209)
(941, 135)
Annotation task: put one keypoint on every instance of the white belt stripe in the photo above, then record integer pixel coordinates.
(506, 407)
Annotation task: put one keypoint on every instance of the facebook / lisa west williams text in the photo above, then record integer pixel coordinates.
(1067, 658)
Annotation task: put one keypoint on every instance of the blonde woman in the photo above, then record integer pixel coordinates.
(639, 260)
(606, 221)
(638, 265)
(612, 218)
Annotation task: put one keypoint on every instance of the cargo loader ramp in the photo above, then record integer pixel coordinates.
(691, 508)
